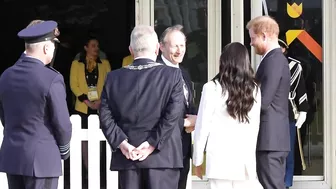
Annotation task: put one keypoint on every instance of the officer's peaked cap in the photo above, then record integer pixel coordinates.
(44, 31)
(283, 44)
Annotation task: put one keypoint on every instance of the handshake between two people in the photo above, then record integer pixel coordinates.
(189, 123)
(140, 153)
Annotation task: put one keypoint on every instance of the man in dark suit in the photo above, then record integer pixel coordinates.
(273, 75)
(139, 118)
(173, 47)
(34, 113)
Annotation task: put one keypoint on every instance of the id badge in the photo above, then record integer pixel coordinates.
(93, 93)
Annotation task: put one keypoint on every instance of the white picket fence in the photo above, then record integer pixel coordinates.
(94, 136)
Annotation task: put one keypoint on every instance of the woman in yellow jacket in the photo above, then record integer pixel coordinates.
(87, 76)
(127, 60)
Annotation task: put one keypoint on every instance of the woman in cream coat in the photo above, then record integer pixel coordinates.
(227, 123)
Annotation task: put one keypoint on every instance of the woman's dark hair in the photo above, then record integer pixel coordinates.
(86, 43)
(236, 77)
(89, 39)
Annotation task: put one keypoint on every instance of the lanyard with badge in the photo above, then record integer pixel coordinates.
(92, 93)
(91, 79)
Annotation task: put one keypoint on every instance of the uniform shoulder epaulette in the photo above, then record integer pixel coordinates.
(293, 63)
(295, 60)
(53, 69)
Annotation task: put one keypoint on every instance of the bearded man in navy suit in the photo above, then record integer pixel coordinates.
(273, 75)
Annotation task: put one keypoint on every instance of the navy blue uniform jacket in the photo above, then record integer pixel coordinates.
(37, 127)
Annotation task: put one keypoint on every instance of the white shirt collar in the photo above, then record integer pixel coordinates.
(144, 57)
(168, 63)
(27, 55)
(262, 57)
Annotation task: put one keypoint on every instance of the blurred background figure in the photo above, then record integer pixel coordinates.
(127, 60)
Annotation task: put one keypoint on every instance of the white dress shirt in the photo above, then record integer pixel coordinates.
(275, 47)
(263, 56)
(146, 57)
(168, 63)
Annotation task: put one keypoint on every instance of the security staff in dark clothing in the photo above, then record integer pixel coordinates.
(34, 113)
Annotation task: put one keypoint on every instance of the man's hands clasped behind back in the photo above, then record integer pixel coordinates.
(145, 149)
(128, 150)
(140, 153)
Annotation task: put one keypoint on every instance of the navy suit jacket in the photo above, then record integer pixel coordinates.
(273, 75)
(144, 102)
(189, 109)
(33, 111)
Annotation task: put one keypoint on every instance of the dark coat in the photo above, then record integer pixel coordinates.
(144, 102)
(189, 109)
(273, 75)
(34, 113)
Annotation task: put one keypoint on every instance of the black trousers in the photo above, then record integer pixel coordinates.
(271, 169)
(149, 179)
(26, 182)
(184, 174)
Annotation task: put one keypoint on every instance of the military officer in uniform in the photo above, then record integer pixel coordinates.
(34, 113)
(298, 107)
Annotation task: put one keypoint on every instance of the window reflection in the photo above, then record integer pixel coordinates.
(306, 47)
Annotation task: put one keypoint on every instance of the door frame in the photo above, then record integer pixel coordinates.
(144, 12)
